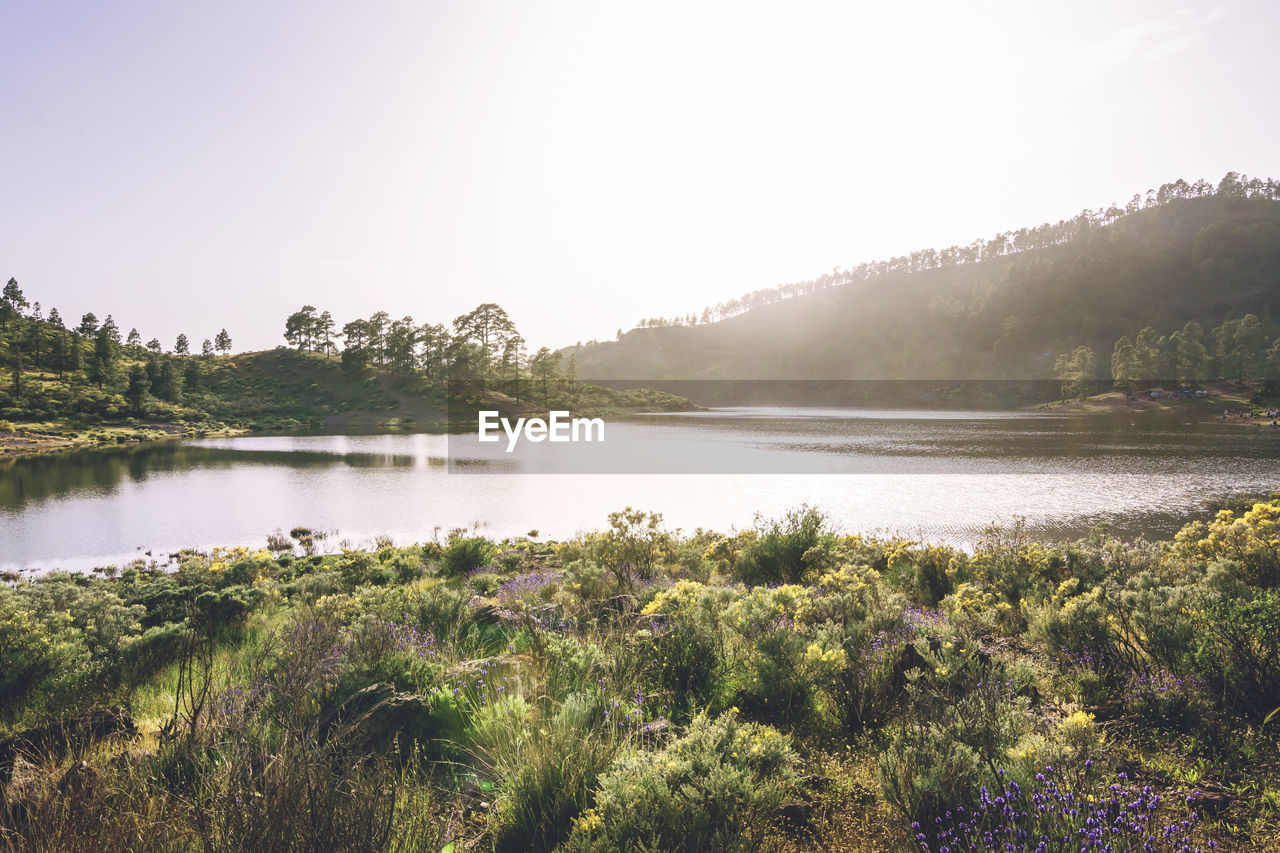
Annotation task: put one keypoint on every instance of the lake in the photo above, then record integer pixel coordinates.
(941, 476)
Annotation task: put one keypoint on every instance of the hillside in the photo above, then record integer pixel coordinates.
(1205, 259)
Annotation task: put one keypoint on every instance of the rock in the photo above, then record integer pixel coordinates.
(1111, 709)
(57, 739)
(619, 604)
(614, 609)
(27, 781)
(658, 730)
(80, 782)
(378, 720)
(1210, 799)
(796, 813)
(491, 614)
(1031, 693)
(654, 622)
(130, 758)
(909, 659)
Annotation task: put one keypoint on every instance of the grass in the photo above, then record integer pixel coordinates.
(387, 703)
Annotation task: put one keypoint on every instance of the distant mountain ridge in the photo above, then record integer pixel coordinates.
(996, 311)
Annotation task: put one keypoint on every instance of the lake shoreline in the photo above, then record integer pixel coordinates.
(45, 440)
(1235, 397)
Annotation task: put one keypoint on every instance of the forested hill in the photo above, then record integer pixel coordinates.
(1208, 260)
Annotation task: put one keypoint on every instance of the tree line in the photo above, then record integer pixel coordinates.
(1236, 349)
(95, 352)
(1232, 185)
(482, 348)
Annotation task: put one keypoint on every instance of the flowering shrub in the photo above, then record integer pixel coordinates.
(782, 676)
(528, 589)
(960, 731)
(865, 691)
(1049, 818)
(928, 572)
(1252, 539)
(980, 612)
(687, 656)
(631, 549)
(686, 598)
(1007, 563)
(1162, 697)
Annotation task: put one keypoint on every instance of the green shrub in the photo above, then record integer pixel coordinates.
(356, 567)
(485, 582)
(965, 720)
(716, 788)
(545, 780)
(573, 664)
(632, 548)
(588, 580)
(1239, 654)
(466, 554)
(927, 573)
(790, 549)
(1010, 566)
(686, 662)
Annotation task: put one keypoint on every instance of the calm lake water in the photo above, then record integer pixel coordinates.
(941, 476)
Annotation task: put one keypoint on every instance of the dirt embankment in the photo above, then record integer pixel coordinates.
(1234, 399)
(34, 439)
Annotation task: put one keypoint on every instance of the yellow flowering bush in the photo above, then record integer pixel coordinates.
(928, 572)
(1251, 539)
(687, 598)
(763, 607)
(825, 662)
(980, 611)
(1078, 731)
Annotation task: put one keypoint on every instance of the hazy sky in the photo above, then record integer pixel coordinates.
(187, 166)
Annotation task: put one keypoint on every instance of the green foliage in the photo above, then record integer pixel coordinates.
(354, 674)
(688, 652)
(466, 554)
(546, 768)
(785, 550)
(60, 637)
(927, 572)
(631, 549)
(716, 788)
(1240, 650)
(1074, 371)
(1251, 539)
(964, 722)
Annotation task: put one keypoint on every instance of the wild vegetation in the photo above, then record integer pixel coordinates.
(637, 688)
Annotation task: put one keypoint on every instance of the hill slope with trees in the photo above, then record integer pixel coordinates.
(1192, 266)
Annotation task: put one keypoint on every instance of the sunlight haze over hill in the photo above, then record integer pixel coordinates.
(582, 164)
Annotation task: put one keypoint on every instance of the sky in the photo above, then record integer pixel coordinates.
(192, 166)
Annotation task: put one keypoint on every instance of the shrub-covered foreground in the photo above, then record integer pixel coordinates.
(783, 688)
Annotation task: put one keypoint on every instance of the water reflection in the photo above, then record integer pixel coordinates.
(936, 475)
(94, 471)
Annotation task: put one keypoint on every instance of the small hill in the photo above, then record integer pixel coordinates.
(1206, 259)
